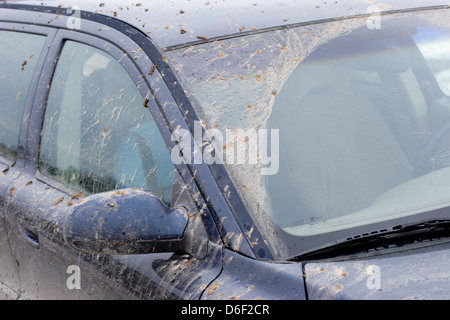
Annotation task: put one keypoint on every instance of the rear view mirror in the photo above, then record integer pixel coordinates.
(131, 222)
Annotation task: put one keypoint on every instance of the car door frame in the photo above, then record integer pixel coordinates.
(10, 170)
(228, 214)
(161, 94)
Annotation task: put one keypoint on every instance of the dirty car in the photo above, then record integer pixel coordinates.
(224, 150)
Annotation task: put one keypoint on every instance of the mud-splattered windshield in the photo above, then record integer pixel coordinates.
(329, 127)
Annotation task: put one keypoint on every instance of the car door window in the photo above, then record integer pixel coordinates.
(19, 53)
(97, 135)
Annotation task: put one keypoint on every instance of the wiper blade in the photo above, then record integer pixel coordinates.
(429, 225)
(397, 236)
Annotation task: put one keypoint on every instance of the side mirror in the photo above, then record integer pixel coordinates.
(132, 222)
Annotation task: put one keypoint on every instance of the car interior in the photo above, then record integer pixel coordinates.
(358, 118)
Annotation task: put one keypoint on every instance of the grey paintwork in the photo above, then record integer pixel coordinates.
(408, 272)
(171, 23)
(412, 272)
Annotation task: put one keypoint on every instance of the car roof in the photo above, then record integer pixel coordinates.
(180, 22)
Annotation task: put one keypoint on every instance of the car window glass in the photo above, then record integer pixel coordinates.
(352, 123)
(434, 47)
(97, 135)
(19, 53)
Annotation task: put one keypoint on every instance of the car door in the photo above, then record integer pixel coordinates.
(95, 127)
(21, 54)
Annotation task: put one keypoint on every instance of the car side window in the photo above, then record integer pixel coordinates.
(19, 53)
(97, 136)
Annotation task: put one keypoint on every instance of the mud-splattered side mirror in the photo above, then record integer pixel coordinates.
(132, 222)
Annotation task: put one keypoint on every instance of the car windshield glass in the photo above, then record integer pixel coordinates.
(328, 128)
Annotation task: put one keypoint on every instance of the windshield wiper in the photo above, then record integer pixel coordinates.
(397, 236)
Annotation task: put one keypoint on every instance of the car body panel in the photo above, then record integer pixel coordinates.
(9, 276)
(412, 273)
(11, 170)
(46, 260)
(35, 213)
(164, 21)
(238, 265)
(248, 279)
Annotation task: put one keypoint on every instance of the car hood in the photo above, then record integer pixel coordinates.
(422, 273)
